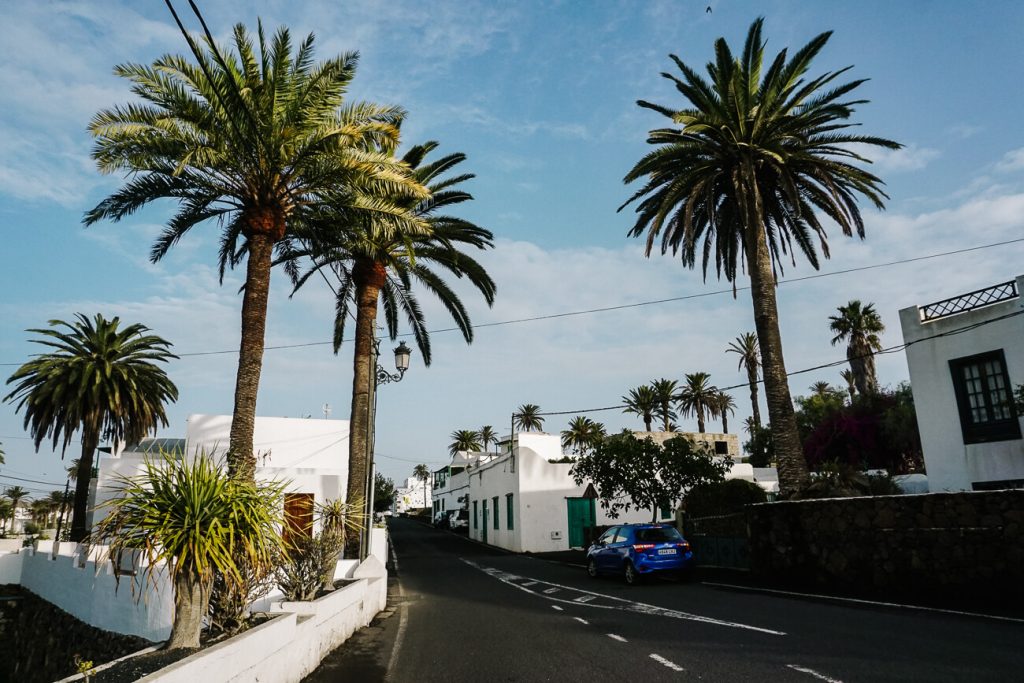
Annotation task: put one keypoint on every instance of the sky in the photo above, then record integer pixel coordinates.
(541, 97)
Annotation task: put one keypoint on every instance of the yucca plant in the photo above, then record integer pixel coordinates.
(307, 566)
(190, 516)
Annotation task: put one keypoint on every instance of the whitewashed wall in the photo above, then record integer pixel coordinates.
(953, 465)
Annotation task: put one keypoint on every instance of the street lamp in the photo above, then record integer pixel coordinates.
(380, 376)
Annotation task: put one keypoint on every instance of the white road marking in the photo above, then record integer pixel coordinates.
(582, 621)
(557, 608)
(403, 619)
(812, 672)
(858, 601)
(615, 637)
(585, 598)
(514, 580)
(670, 664)
(549, 591)
(530, 583)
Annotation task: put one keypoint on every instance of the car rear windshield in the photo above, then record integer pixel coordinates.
(657, 535)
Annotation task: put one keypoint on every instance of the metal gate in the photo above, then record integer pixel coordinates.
(719, 541)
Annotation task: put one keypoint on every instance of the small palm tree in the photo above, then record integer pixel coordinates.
(851, 382)
(743, 174)
(821, 389)
(1, 453)
(698, 397)
(859, 326)
(642, 401)
(665, 391)
(190, 516)
(488, 436)
(745, 346)
(15, 494)
(528, 418)
(6, 513)
(464, 440)
(422, 472)
(100, 379)
(582, 435)
(725, 406)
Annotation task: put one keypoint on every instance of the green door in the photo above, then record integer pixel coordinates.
(485, 522)
(582, 515)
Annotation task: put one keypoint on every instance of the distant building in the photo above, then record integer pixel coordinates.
(966, 355)
(413, 495)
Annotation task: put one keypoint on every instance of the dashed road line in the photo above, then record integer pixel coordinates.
(582, 621)
(670, 664)
(530, 583)
(557, 608)
(617, 637)
(549, 591)
(812, 672)
(585, 598)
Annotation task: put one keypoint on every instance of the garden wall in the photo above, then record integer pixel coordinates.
(938, 543)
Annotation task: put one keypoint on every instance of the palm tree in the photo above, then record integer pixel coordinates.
(6, 513)
(245, 141)
(99, 379)
(377, 255)
(41, 510)
(1, 453)
(642, 401)
(725, 405)
(464, 440)
(488, 436)
(859, 326)
(742, 177)
(527, 418)
(582, 435)
(851, 382)
(72, 469)
(698, 397)
(665, 391)
(821, 389)
(745, 346)
(422, 472)
(15, 494)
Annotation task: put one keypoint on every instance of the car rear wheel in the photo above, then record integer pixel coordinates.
(592, 568)
(631, 575)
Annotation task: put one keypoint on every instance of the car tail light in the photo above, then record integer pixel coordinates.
(640, 547)
(684, 545)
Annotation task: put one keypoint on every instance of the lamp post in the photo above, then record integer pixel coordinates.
(380, 376)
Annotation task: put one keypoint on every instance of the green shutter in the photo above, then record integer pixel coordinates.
(475, 525)
(495, 512)
(509, 516)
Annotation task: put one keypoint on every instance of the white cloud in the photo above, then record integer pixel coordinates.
(908, 158)
(1011, 161)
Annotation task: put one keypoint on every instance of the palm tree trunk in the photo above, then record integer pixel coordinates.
(700, 418)
(647, 422)
(725, 423)
(241, 456)
(90, 440)
(368, 277)
(788, 451)
(191, 602)
(664, 416)
(752, 381)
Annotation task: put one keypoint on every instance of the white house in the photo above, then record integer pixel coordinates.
(312, 455)
(451, 483)
(414, 494)
(966, 355)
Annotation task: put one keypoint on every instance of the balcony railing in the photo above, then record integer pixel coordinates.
(968, 302)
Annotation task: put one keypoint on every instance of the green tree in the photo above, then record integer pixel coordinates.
(246, 141)
(189, 514)
(422, 473)
(698, 397)
(642, 401)
(749, 167)
(582, 435)
(665, 391)
(851, 382)
(725, 406)
(760, 447)
(528, 418)
(377, 255)
(383, 493)
(630, 473)
(820, 405)
(464, 440)
(15, 494)
(488, 436)
(6, 513)
(745, 346)
(859, 326)
(99, 379)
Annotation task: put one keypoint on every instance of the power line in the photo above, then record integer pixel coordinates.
(605, 309)
(34, 481)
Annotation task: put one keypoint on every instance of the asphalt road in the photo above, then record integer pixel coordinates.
(459, 611)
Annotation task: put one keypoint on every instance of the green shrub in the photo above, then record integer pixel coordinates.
(31, 528)
(308, 565)
(723, 498)
(838, 480)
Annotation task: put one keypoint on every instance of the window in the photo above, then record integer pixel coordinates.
(721, 448)
(475, 525)
(509, 516)
(666, 512)
(442, 504)
(608, 536)
(495, 499)
(983, 397)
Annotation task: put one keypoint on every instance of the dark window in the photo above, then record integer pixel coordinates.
(658, 535)
(509, 512)
(984, 398)
(721, 448)
(495, 499)
(475, 525)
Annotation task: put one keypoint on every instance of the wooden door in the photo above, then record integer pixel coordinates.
(298, 517)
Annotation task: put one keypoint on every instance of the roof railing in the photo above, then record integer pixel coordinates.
(1004, 291)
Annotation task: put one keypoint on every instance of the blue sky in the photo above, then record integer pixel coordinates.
(541, 97)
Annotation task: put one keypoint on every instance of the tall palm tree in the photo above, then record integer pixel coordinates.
(851, 381)
(820, 389)
(99, 379)
(422, 472)
(582, 435)
(642, 401)
(859, 326)
(527, 418)
(464, 440)
(15, 494)
(377, 254)
(698, 397)
(6, 513)
(243, 141)
(745, 346)
(725, 406)
(742, 177)
(665, 390)
(488, 436)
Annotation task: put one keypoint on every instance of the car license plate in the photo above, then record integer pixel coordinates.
(667, 551)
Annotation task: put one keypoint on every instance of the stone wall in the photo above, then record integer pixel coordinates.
(935, 544)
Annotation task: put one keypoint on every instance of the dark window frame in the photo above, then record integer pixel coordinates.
(496, 524)
(509, 513)
(992, 429)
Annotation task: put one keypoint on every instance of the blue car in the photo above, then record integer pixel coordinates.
(636, 550)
